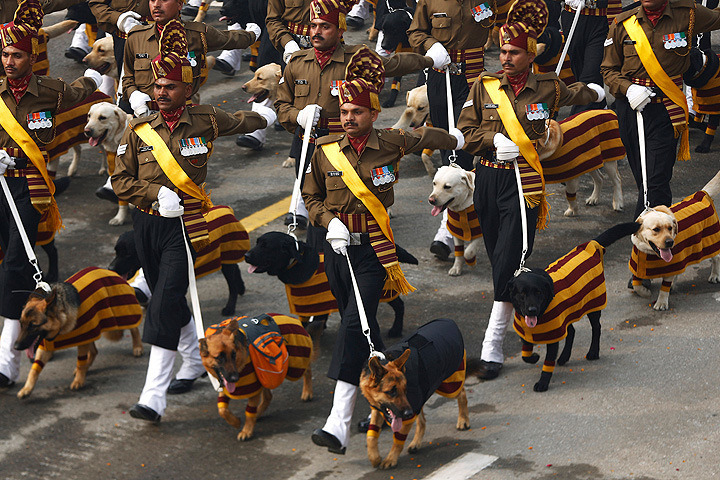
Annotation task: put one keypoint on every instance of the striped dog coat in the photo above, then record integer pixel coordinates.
(229, 241)
(465, 226)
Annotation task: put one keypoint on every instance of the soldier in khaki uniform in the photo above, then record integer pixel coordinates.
(288, 25)
(496, 132)
(147, 174)
(31, 103)
(372, 157)
(8, 7)
(669, 28)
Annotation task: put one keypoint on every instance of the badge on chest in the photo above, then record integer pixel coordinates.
(674, 40)
(481, 12)
(335, 87)
(193, 146)
(39, 120)
(192, 59)
(537, 111)
(383, 175)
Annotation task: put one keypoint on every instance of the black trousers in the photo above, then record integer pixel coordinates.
(16, 273)
(586, 51)
(351, 350)
(498, 208)
(437, 97)
(161, 248)
(661, 148)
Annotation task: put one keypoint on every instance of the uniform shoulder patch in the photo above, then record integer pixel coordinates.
(52, 83)
(328, 139)
(195, 26)
(141, 28)
(625, 15)
(138, 121)
(608, 42)
(394, 136)
(201, 110)
(122, 148)
(546, 76)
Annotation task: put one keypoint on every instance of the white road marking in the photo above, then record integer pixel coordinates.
(463, 467)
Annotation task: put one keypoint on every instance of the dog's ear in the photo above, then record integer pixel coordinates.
(468, 179)
(400, 361)
(509, 287)
(376, 368)
(241, 340)
(51, 298)
(407, 96)
(204, 352)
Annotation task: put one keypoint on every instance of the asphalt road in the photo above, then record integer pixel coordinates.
(646, 410)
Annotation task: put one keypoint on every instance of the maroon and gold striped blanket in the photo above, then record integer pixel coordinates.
(229, 241)
(706, 99)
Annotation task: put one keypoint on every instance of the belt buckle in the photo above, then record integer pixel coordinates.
(497, 161)
(455, 68)
(304, 41)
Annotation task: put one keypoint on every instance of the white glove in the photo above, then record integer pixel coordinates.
(169, 203)
(597, 89)
(266, 112)
(575, 4)
(460, 138)
(338, 235)
(310, 111)
(639, 96)
(505, 149)
(95, 75)
(254, 28)
(138, 101)
(128, 20)
(290, 48)
(439, 55)
(5, 162)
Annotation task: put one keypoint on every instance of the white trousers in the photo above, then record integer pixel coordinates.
(500, 317)
(80, 39)
(157, 380)
(338, 423)
(189, 350)
(233, 57)
(261, 133)
(9, 357)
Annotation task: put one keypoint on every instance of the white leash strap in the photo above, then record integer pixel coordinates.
(450, 110)
(37, 276)
(361, 311)
(197, 313)
(643, 157)
(301, 171)
(523, 218)
(558, 69)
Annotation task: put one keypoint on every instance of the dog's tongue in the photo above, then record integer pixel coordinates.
(230, 387)
(93, 141)
(396, 423)
(666, 254)
(253, 98)
(531, 322)
(251, 268)
(435, 211)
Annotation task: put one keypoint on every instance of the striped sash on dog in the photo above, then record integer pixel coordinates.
(706, 99)
(464, 225)
(70, 124)
(229, 241)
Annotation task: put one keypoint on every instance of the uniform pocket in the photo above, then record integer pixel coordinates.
(442, 28)
(143, 72)
(302, 90)
(337, 193)
(629, 51)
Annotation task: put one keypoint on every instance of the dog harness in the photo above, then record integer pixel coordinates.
(465, 226)
(698, 238)
(229, 241)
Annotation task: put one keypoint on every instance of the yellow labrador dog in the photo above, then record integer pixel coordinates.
(416, 114)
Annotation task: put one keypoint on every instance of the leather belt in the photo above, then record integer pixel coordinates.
(359, 238)
(20, 163)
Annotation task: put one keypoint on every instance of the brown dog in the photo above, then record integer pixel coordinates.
(76, 312)
(225, 355)
(395, 391)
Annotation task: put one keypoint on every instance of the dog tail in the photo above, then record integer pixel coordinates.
(404, 256)
(615, 233)
(113, 335)
(713, 186)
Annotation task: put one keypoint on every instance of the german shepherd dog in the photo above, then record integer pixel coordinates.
(66, 317)
(548, 301)
(225, 355)
(431, 360)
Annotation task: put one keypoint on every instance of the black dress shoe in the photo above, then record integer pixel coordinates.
(364, 424)
(246, 57)
(353, 22)
(179, 386)
(144, 413)
(249, 141)
(106, 194)
(5, 382)
(324, 439)
(189, 10)
(224, 67)
(440, 249)
(489, 370)
(75, 53)
(301, 220)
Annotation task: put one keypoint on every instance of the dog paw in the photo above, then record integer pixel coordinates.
(591, 201)
(714, 279)
(244, 436)
(660, 306)
(77, 384)
(228, 311)
(115, 221)
(455, 271)
(375, 460)
(463, 424)
(288, 163)
(24, 393)
(641, 291)
(532, 358)
(137, 351)
(306, 397)
(592, 356)
(388, 463)
(562, 360)
(569, 212)
(618, 206)
(540, 387)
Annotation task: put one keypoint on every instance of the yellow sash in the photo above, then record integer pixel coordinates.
(660, 78)
(170, 167)
(10, 124)
(358, 188)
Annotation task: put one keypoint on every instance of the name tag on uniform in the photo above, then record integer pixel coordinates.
(142, 55)
(334, 174)
(537, 111)
(481, 12)
(440, 15)
(39, 120)
(674, 40)
(122, 148)
(629, 42)
(191, 58)
(193, 146)
(383, 175)
(335, 87)
(146, 148)
(301, 82)
(491, 105)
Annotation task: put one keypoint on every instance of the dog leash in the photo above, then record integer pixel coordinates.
(197, 312)
(523, 219)
(566, 47)
(451, 113)
(37, 276)
(298, 180)
(392, 10)
(361, 312)
(643, 158)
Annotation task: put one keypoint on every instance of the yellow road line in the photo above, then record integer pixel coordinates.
(266, 215)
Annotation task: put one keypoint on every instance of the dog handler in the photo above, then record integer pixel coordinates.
(348, 187)
(27, 124)
(161, 162)
(502, 119)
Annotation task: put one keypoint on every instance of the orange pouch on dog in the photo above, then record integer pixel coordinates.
(268, 351)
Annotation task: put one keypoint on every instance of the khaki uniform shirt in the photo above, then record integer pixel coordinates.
(138, 176)
(8, 7)
(43, 94)
(325, 191)
(303, 82)
(107, 12)
(279, 13)
(621, 61)
(143, 45)
(479, 120)
(449, 22)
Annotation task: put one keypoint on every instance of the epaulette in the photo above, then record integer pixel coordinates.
(298, 54)
(195, 26)
(138, 121)
(201, 110)
(141, 28)
(546, 76)
(392, 135)
(490, 74)
(682, 3)
(625, 15)
(333, 137)
(51, 83)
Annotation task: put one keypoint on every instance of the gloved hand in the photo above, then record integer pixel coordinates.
(310, 111)
(266, 112)
(138, 102)
(575, 4)
(638, 96)
(505, 148)
(5, 162)
(290, 48)
(95, 75)
(439, 55)
(338, 235)
(599, 90)
(254, 28)
(169, 203)
(128, 20)
(460, 138)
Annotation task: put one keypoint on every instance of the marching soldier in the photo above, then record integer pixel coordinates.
(161, 165)
(646, 53)
(348, 187)
(28, 104)
(288, 25)
(502, 119)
